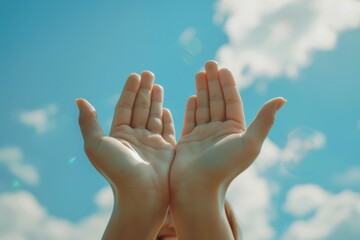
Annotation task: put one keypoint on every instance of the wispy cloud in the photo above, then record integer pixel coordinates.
(349, 178)
(26, 218)
(335, 216)
(41, 119)
(278, 37)
(301, 142)
(190, 41)
(12, 157)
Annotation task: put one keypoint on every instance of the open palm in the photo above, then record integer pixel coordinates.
(137, 154)
(215, 145)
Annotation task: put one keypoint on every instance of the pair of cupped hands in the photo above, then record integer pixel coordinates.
(141, 158)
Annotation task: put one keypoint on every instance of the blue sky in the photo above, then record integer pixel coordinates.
(53, 52)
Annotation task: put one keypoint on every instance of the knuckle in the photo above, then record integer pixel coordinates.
(143, 105)
(125, 105)
(201, 104)
(156, 115)
(232, 100)
(216, 97)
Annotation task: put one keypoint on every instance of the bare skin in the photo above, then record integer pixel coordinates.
(214, 148)
(135, 158)
(141, 160)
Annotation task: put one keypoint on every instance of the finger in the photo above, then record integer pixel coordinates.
(156, 110)
(90, 127)
(233, 104)
(189, 120)
(260, 127)
(202, 99)
(124, 107)
(217, 103)
(141, 108)
(168, 132)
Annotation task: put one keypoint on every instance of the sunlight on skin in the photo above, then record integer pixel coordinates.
(143, 132)
(135, 158)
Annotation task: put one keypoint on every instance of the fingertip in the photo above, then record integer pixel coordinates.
(281, 102)
(77, 100)
(167, 112)
(200, 76)
(148, 74)
(84, 105)
(225, 73)
(192, 102)
(158, 89)
(134, 76)
(211, 64)
(167, 117)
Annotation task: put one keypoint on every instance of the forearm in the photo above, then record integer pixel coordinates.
(200, 215)
(140, 219)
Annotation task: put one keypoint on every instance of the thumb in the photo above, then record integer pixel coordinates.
(261, 125)
(90, 127)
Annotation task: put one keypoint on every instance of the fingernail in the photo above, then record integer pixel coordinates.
(281, 103)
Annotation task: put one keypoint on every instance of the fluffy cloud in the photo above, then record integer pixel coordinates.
(27, 219)
(12, 157)
(268, 39)
(40, 119)
(253, 203)
(304, 199)
(336, 216)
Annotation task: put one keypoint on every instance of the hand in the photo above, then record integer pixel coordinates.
(215, 146)
(135, 158)
(213, 149)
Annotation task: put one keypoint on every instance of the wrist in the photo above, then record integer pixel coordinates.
(146, 200)
(200, 213)
(197, 188)
(136, 218)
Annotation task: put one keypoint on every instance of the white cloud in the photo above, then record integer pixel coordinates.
(351, 177)
(10, 154)
(27, 219)
(40, 119)
(300, 142)
(269, 156)
(336, 216)
(105, 198)
(12, 157)
(304, 199)
(251, 194)
(278, 37)
(250, 198)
